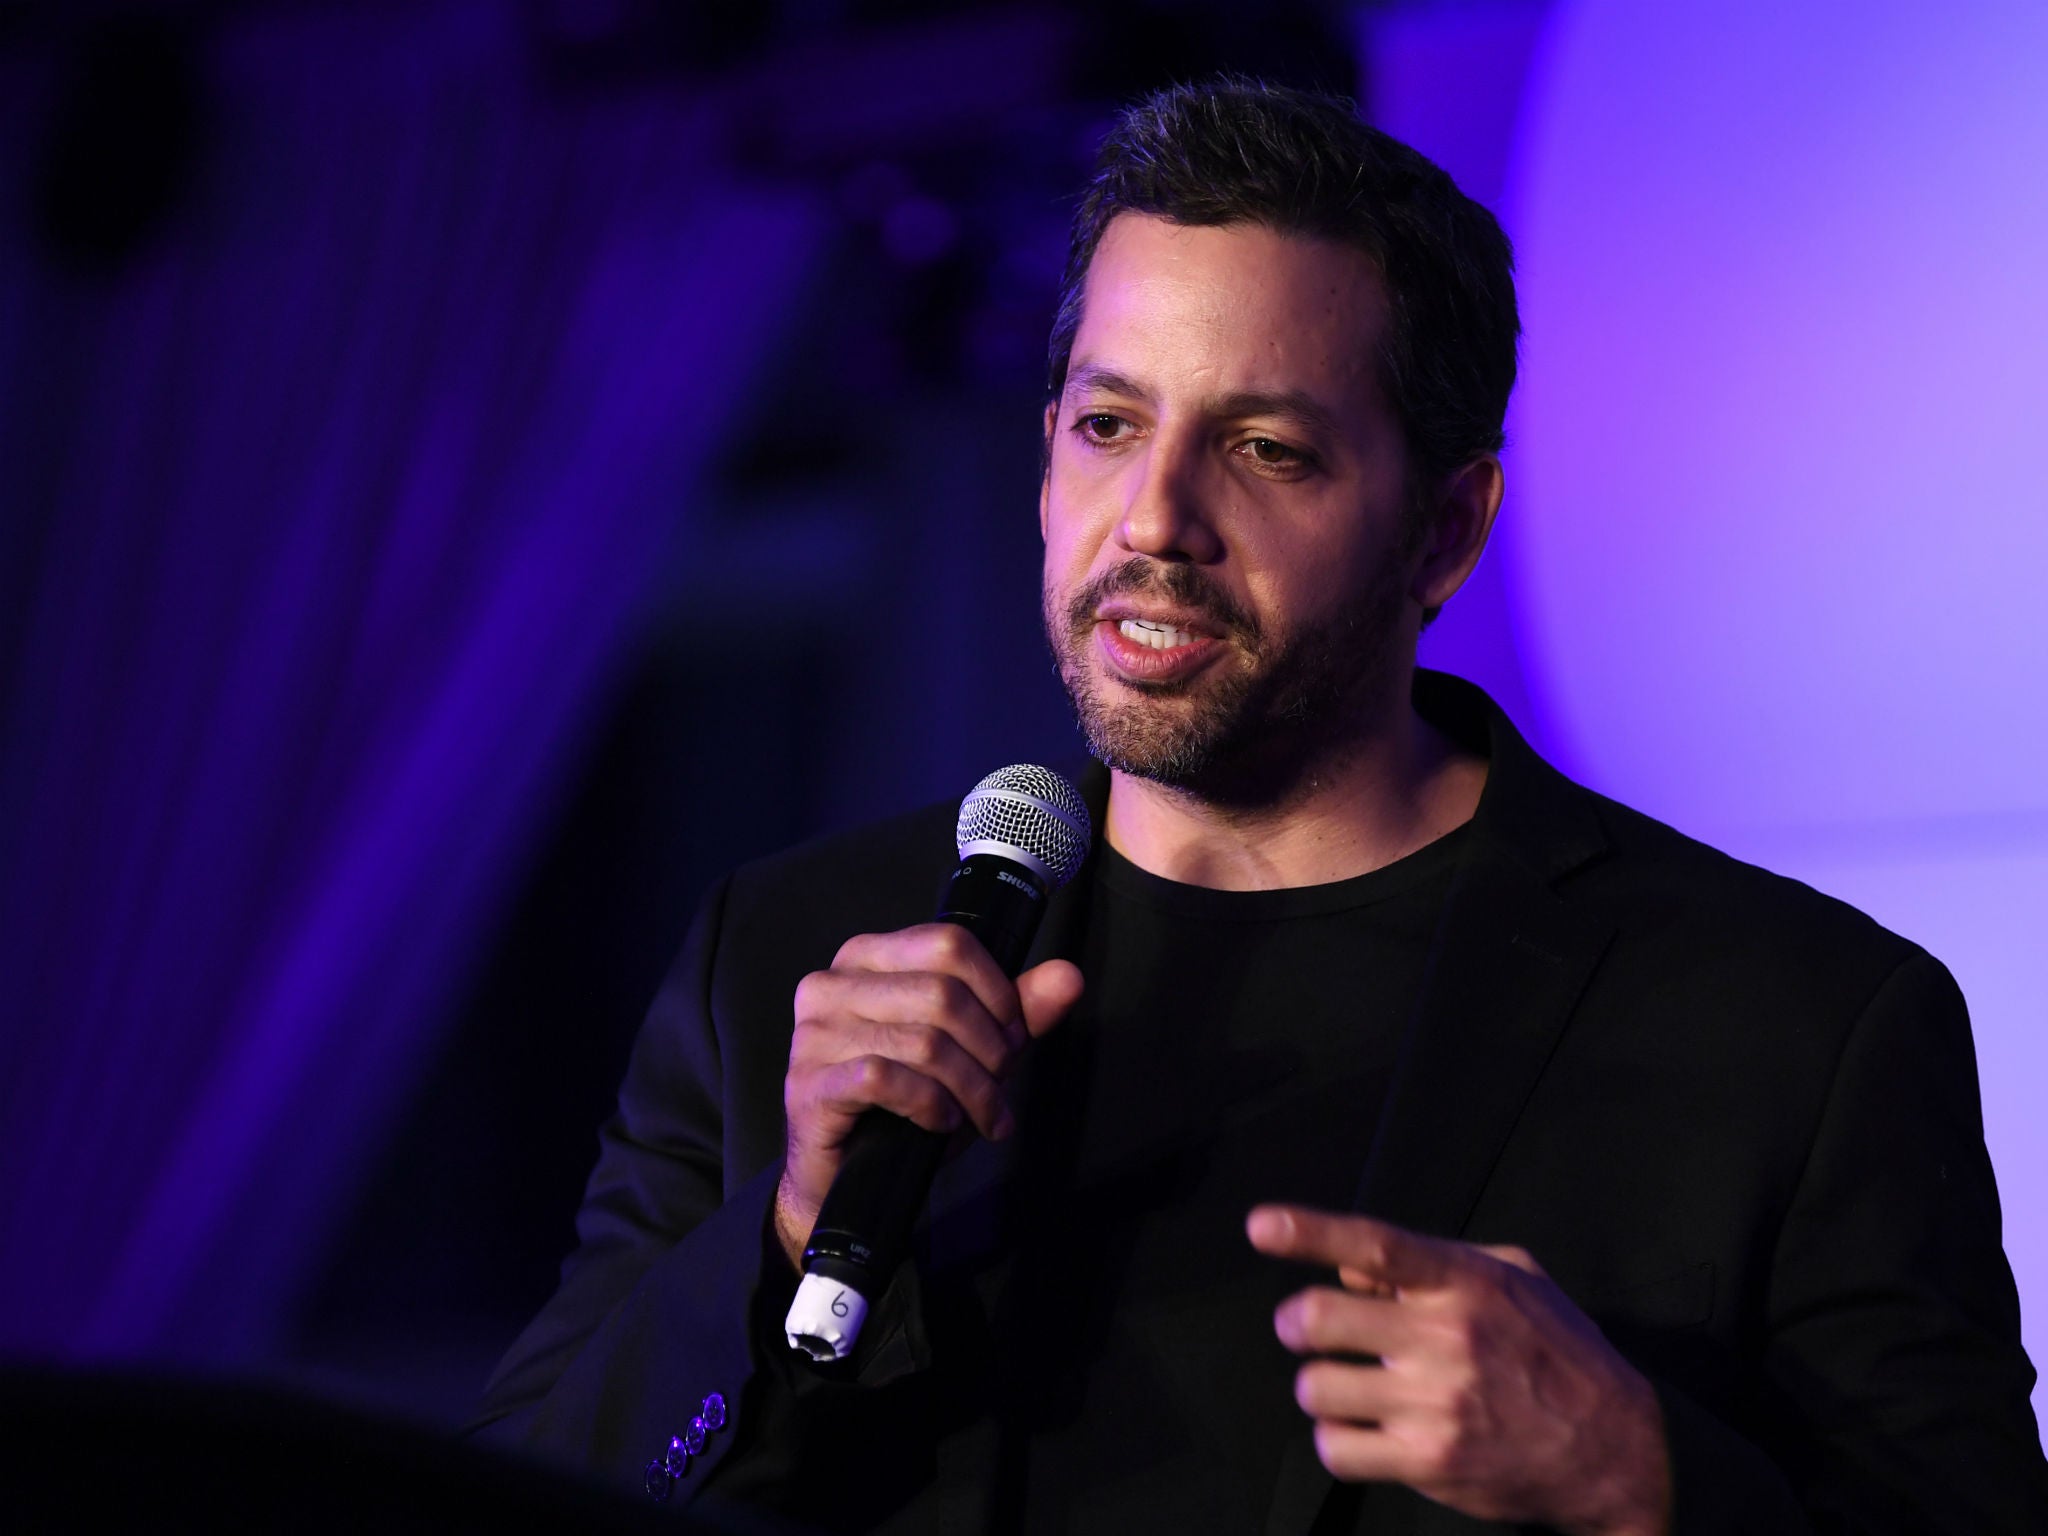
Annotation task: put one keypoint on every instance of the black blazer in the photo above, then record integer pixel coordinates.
(1736, 1120)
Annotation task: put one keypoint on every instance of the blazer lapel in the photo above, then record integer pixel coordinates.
(1510, 961)
(1510, 964)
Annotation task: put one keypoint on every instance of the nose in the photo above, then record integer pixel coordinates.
(1166, 514)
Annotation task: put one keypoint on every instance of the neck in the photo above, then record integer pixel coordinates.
(1393, 789)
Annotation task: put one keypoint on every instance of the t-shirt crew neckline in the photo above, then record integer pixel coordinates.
(1426, 863)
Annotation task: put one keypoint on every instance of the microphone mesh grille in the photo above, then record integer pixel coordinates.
(1033, 810)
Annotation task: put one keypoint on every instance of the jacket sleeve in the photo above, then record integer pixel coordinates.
(676, 1287)
(1898, 1386)
(653, 1310)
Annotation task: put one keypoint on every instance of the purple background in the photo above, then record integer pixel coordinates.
(470, 472)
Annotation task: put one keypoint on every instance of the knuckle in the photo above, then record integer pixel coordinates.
(1461, 1338)
(796, 1081)
(1459, 1326)
(987, 1096)
(949, 941)
(957, 998)
(934, 1108)
(868, 1075)
(1499, 1282)
(1459, 1419)
(923, 1045)
(809, 995)
(1468, 1428)
(1462, 1390)
(934, 994)
(1439, 1452)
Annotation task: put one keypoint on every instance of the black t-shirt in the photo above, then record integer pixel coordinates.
(1233, 1048)
(1119, 1370)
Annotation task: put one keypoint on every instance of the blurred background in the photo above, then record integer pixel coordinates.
(470, 473)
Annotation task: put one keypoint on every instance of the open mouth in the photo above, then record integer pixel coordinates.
(1161, 637)
(1154, 651)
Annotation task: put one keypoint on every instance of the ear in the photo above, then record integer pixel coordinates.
(1052, 418)
(1461, 520)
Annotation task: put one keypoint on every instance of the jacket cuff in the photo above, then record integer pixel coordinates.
(1721, 1483)
(678, 1341)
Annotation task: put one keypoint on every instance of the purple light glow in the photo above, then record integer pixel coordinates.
(356, 486)
(1779, 537)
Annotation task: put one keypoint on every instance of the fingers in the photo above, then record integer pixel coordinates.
(944, 949)
(1371, 1424)
(917, 1070)
(922, 1023)
(1325, 1321)
(1358, 1280)
(1370, 1252)
(1517, 1258)
(1464, 1373)
(1362, 1394)
(879, 1082)
(890, 1008)
(1358, 1453)
(1048, 993)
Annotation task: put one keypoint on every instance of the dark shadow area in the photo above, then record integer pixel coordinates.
(86, 1452)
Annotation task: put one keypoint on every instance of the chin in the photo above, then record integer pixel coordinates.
(1205, 747)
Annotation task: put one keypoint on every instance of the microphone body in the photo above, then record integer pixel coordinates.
(1023, 833)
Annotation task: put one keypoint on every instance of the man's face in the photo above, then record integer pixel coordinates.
(1227, 544)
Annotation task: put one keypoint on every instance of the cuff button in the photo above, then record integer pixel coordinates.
(658, 1482)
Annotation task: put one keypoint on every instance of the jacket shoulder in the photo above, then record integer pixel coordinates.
(1657, 882)
(878, 864)
(788, 913)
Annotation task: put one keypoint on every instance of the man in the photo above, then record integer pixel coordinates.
(1390, 1135)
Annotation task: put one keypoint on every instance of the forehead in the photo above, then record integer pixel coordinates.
(1232, 307)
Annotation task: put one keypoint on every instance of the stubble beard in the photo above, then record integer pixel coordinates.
(1252, 731)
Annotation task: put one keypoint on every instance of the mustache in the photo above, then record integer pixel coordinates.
(1188, 586)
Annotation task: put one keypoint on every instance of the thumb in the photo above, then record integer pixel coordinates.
(1519, 1258)
(1047, 992)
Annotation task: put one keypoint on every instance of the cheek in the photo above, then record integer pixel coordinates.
(1058, 552)
(1298, 581)
(1073, 539)
(1066, 570)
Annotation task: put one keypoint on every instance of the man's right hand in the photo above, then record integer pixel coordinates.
(921, 1022)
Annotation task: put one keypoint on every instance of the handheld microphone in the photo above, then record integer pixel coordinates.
(1022, 834)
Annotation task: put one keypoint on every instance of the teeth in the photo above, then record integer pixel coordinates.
(1161, 637)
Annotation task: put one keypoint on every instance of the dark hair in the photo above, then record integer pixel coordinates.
(1239, 151)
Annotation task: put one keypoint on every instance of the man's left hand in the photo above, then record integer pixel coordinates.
(1483, 1387)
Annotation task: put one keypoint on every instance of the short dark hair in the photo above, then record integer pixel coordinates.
(1233, 150)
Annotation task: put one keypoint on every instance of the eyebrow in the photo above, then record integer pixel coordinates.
(1295, 405)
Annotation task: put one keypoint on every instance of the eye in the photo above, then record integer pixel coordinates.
(1270, 453)
(1099, 427)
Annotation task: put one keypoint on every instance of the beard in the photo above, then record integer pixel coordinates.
(1247, 730)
